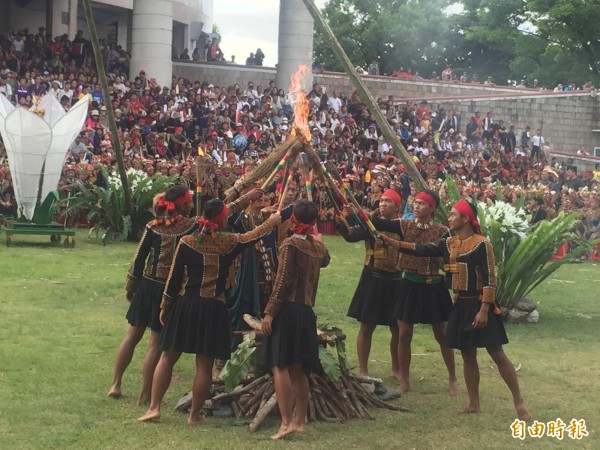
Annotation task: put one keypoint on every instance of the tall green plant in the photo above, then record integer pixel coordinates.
(522, 264)
(106, 206)
(529, 264)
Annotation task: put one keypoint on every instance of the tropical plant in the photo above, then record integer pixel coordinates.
(105, 206)
(522, 252)
(242, 361)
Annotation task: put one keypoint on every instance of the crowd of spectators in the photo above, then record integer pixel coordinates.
(162, 128)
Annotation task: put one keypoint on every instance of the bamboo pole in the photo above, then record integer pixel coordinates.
(368, 100)
(199, 176)
(109, 108)
(294, 144)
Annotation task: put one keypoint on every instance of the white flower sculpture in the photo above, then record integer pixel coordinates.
(37, 145)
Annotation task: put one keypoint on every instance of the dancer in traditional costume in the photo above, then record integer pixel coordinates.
(290, 346)
(196, 321)
(374, 301)
(423, 297)
(257, 265)
(475, 319)
(146, 281)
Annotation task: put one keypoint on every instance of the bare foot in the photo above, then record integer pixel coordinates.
(115, 391)
(470, 409)
(397, 376)
(403, 387)
(150, 416)
(283, 431)
(196, 420)
(453, 387)
(522, 412)
(300, 428)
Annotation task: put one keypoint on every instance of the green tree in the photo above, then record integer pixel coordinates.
(396, 33)
(549, 40)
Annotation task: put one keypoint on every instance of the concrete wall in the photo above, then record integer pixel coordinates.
(569, 118)
(567, 121)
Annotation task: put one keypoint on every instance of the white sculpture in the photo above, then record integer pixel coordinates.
(37, 141)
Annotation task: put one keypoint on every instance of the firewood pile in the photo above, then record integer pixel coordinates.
(331, 398)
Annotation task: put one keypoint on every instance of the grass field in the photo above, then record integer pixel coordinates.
(62, 317)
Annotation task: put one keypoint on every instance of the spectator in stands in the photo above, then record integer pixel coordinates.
(259, 56)
(374, 68)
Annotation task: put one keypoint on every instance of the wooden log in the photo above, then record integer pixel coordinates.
(237, 409)
(332, 396)
(251, 412)
(320, 414)
(266, 395)
(312, 416)
(256, 395)
(241, 391)
(263, 412)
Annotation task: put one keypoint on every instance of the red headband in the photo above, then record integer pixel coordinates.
(214, 223)
(427, 198)
(393, 196)
(302, 228)
(463, 207)
(183, 199)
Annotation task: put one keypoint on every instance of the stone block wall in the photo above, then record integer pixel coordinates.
(566, 121)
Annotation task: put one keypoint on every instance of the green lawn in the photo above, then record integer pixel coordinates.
(62, 317)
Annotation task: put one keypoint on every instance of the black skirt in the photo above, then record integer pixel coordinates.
(144, 309)
(375, 298)
(423, 303)
(199, 326)
(293, 339)
(460, 333)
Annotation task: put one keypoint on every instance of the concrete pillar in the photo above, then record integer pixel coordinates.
(295, 42)
(151, 37)
(72, 29)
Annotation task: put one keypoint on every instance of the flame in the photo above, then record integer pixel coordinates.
(300, 102)
(201, 152)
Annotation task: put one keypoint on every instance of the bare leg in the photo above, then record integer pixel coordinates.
(301, 389)
(363, 347)
(405, 330)
(202, 382)
(439, 331)
(285, 400)
(150, 362)
(471, 370)
(509, 375)
(124, 357)
(394, 342)
(160, 384)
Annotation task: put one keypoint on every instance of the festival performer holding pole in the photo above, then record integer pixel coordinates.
(146, 281)
(255, 276)
(196, 322)
(290, 345)
(474, 320)
(376, 295)
(423, 298)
